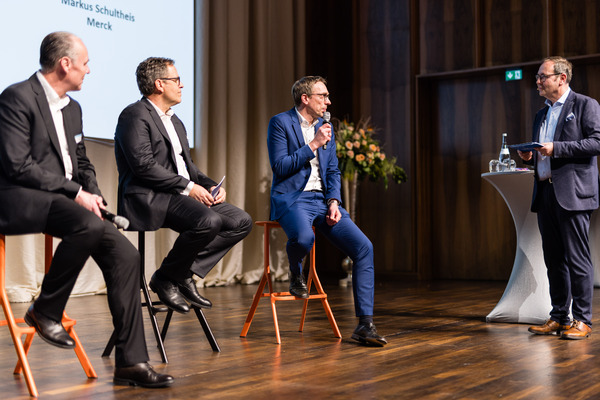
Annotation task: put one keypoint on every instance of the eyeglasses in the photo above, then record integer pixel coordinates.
(325, 96)
(543, 77)
(177, 80)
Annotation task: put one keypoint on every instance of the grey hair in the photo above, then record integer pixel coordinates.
(561, 66)
(55, 46)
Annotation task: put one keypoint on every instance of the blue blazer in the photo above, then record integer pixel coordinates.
(290, 161)
(576, 145)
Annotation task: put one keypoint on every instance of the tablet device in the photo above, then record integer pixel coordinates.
(525, 147)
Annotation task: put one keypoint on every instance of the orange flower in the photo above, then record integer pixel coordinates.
(359, 152)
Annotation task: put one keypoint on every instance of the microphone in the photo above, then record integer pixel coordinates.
(120, 222)
(326, 118)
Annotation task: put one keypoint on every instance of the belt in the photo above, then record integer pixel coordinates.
(315, 191)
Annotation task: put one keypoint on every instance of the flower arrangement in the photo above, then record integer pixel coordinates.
(360, 155)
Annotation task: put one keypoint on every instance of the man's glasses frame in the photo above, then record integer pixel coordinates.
(325, 96)
(543, 77)
(177, 80)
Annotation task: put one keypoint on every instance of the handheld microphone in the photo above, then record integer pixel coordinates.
(326, 118)
(120, 222)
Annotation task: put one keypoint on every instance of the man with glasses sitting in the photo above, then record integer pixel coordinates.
(306, 192)
(160, 187)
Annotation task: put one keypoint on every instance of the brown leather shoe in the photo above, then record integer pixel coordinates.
(578, 330)
(548, 328)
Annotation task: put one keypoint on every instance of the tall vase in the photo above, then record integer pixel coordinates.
(349, 187)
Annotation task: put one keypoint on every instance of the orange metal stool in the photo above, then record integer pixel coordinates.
(277, 296)
(16, 331)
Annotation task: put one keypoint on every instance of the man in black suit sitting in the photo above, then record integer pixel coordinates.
(47, 184)
(160, 187)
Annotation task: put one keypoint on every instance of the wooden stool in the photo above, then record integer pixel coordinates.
(153, 309)
(277, 296)
(16, 331)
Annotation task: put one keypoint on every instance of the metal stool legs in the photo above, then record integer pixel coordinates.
(277, 296)
(153, 309)
(17, 331)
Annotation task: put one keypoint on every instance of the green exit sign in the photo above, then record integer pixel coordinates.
(514, 75)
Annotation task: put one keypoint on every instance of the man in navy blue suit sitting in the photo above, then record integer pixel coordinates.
(306, 192)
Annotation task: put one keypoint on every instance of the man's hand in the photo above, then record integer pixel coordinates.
(322, 136)
(220, 195)
(525, 156)
(202, 195)
(91, 202)
(547, 149)
(333, 214)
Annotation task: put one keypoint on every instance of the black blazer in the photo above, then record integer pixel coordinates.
(147, 168)
(31, 167)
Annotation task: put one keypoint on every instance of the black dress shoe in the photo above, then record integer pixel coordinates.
(143, 375)
(188, 289)
(48, 329)
(298, 285)
(169, 294)
(367, 334)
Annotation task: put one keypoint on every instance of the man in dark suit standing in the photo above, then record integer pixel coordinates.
(564, 196)
(160, 187)
(47, 184)
(306, 192)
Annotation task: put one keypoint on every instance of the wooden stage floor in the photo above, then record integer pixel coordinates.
(440, 348)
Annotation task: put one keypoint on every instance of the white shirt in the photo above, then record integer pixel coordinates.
(308, 131)
(56, 104)
(177, 148)
(547, 131)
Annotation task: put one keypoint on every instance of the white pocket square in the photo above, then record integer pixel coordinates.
(570, 117)
(78, 137)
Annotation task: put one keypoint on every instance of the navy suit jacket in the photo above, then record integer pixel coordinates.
(147, 168)
(576, 145)
(32, 172)
(290, 161)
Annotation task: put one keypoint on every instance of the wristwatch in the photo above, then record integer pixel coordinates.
(332, 200)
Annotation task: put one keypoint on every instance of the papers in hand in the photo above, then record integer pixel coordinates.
(525, 147)
(216, 189)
